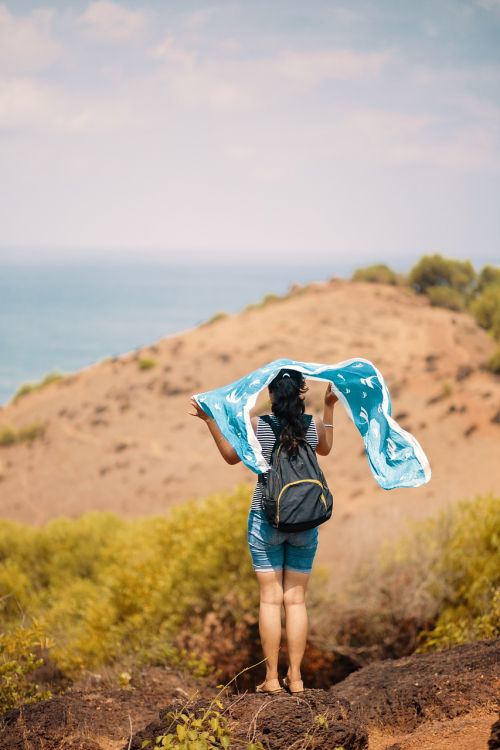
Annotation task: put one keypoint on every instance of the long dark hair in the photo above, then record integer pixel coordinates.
(288, 389)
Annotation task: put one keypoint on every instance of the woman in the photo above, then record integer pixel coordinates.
(282, 561)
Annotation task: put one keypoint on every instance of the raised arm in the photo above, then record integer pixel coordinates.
(225, 448)
(324, 428)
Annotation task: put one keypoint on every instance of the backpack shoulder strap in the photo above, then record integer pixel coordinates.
(307, 418)
(277, 432)
(272, 424)
(306, 421)
(276, 428)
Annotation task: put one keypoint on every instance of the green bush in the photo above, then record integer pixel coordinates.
(445, 296)
(379, 274)
(437, 585)
(435, 270)
(104, 588)
(494, 361)
(488, 275)
(466, 577)
(486, 309)
(18, 661)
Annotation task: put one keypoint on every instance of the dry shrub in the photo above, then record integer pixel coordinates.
(446, 296)
(181, 590)
(494, 361)
(437, 586)
(486, 309)
(377, 274)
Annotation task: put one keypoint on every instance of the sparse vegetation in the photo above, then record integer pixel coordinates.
(494, 361)
(447, 388)
(18, 660)
(216, 318)
(466, 577)
(199, 727)
(204, 728)
(267, 299)
(9, 435)
(146, 363)
(486, 309)
(488, 275)
(379, 273)
(207, 729)
(101, 588)
(445, 296)
(439, 585)
(270, 298)
(449, 283)
(26, 388)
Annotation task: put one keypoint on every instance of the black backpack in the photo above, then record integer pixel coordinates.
(295, 495)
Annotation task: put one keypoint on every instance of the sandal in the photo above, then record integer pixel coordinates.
(294, 686)
(269, 686)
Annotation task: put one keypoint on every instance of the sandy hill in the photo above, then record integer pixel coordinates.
(118, 437)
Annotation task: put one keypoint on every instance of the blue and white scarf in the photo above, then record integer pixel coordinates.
(395, 456)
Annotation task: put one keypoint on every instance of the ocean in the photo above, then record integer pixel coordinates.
(63, 316)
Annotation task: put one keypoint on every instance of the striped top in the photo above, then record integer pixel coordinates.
(266, 438)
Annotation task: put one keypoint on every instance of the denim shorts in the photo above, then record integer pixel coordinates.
(272, 549)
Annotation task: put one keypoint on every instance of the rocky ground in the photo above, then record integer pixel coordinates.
(447, 700)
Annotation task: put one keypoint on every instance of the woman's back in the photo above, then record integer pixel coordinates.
(266, 438)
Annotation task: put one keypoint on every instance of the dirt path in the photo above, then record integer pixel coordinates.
(468, 732)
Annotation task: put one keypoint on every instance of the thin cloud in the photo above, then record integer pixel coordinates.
(111, 22)
(233, 81)
(26, 104)
(198, 19)
(170, 52)
(312, 68)
(26, 42)
(30, 105)
(491, 5)
(389, 137)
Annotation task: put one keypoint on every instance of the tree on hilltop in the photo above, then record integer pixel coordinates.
(435, 270)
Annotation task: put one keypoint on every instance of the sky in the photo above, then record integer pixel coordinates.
(242, 130)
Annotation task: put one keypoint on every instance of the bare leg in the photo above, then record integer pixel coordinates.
(295, 585)
(271, 599)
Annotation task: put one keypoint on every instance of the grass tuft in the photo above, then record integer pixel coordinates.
(26, 388)
(146, 363)
(10, 436)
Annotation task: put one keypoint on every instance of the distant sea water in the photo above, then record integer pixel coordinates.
(61, 316)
